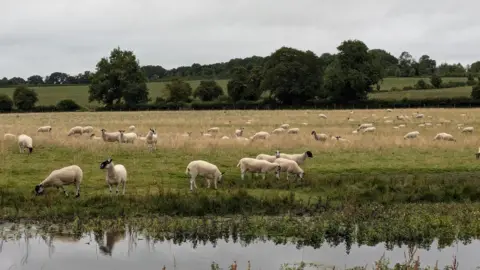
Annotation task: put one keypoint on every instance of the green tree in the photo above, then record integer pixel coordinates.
(118, 78)
(208, 90)
(475, 67)
(35, 80)
(24, 98)
(68, 105)
(6, 103)
(351, 76)
(293, 76)
(436, 81)
(254, 83)
(406, 64)
(179, 91)
(476, 91)
(426, 65)
(385, 62)
(237, 87)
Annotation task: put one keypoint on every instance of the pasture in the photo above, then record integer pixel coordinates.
(378, 167)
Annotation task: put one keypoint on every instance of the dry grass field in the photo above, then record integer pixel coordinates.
(359, 169)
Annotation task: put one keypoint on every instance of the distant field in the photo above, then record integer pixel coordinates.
(51, 95)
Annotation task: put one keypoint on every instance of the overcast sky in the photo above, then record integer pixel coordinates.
(40, 37)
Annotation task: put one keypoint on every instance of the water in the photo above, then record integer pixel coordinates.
(121, 250)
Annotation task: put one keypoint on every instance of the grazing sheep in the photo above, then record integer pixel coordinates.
(25, 141)
(339, 139)
(205, 169)
(350, 119)
(400, 117)
(258, 166)
(44, 129)
(401, 125)
(388, 122)
(444, 136)
(213, 130)
(110, 136)
(239, 132)
(116, 174)
(269, 158)
(260, 135)
(278, 131)
(299, 158)
(127, 137)
(305, 124)
(467, 130)
(389, 110)
(322, 116)
(290, 167)
(293, 131)
(203, 134)
(225, 138)
(59, 178)
(319, 137)
(369, 129)
(411, 135)
(93, 137)
(8, 136)
(151, 139)
(75, 130)
(131, 128)
(363, 126)
(187, 134)
(354, 132)
(285, 126)
(87, 129)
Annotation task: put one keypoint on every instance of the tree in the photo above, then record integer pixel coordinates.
(35, 79)
(67, 105)
(475, 67)
(254, 83)
(6, 103)
(426, 65)
(436, 81)
(16, 81)
(154, 72)
(208, 90)
(57, 78)
(24, 98)
(118, 78)
(237, 87)
(179, 91)
(351, 76)
(406, 64)
(292, 76)
(385, 62)
(476, 91)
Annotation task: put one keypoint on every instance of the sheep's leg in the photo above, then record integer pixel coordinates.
(215, 183)
(287, 176)
(208, 182)
(65, 191)
(123, 193)
(78, 189)
(256, 174)
(21, 149)
(110, 187)
(243, 174)
(118, 184)
(264, 175)
(192, 181)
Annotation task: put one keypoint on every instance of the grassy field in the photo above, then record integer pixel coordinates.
(51, 95)
(381, 167)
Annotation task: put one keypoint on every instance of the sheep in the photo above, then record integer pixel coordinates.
(87, 129)
(187, 134)
(369, 129)
(444, 136)
(419, 115)
(305, 124)
(131, 128)
(411, 135)
(110, 136)
(258, 166)
(225, 138)
(127, 137)
(290, 167)
(151, 139)
(213, 130)
(293, 131)
(401, 126)
(93, 137)
(339, 139)
(299, 158)
(478, 153)
(389, 110)
(269, 158)
(116, 174)
(8, 136)
(363, 126)
(44, 129)
(388, 122)
(322, 116)
(205, 169)
(467, 129)
(260, 135)
(400, 117)
(278, 131)
(239, 132)
(72, 174)
(25, 141)
(75, 130)
(319, 137)
(285, 126)
(203, 134)
(350, 119)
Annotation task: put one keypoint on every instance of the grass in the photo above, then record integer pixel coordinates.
(370, 168)
(388, 83)
(423, 94)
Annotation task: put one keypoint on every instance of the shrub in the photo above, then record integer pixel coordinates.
(476, 92)
(421, 85)
(451, 84)
(67, 105)
(395, 89)
(436, 81)
(406, 88)
(24, 98)
(6, 103)
(208, 90)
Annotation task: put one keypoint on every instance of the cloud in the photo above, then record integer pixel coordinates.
(40, 37)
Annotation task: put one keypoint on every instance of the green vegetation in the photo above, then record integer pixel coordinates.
(424, 94)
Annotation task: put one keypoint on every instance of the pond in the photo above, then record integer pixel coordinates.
(127, 249)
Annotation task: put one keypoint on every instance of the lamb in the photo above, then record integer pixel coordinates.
(269, 158)
(127, 137)
(25, 141)
(116, 174)
(322, 116)
(467, 129)
(72, 174)
(319, 137)
(293, 131)
(44, 129)
(411, 135)
(213, 129)
(151, 139)
(363, 126)
(444, 136)
(290, 167)
(285, 126)
(278, 131)
(8, 136)
(299, 158)
(260, 135)
(110, 136)
(75, 130)
(205, 169)
(87, 129)
(131, 128)
(369, 129)
(239, 132)
(258, 166)
(93, 137)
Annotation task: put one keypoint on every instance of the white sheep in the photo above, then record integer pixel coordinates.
(389, 110)
(257, 166)
(9, 136)
(444, 136)
(131, 128)
(269, 158)
(290, 167)
(419, 115)
(110, 136)
(75, 130)
(69, 175)
(350, 119)
(260, 135)
(93, 137)
(285, 126)
(203, 168)
(25, 141)
(128, 137)
(239, 132)
(278, 131)
(187, 134)
(225, 138)
(339, 139)
(400, 117)
(116, 174)
(87, 129)
(44, 129)
(364, 126)
(411, 135)
(213, 130)
(299, 158)
(467, 130)
(305, 124)
(208, 135)
(319, 137)
(322, 116)
(478, 153)
(369, 129)
(293, 131)
(151, 139)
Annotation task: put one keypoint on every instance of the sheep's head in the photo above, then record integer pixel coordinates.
(313, 132)
(106, 163)
(277, 154)
(30, 150)
(309, 154)
(121, 131)
(220, 177)
(92, 135)
(39, 189)
(103, 130)
(301, 175)
(152, 130)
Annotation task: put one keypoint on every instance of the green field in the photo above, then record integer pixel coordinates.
(388, 83)
(422, 94)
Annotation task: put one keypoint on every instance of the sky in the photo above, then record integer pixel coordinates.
(41, 37)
